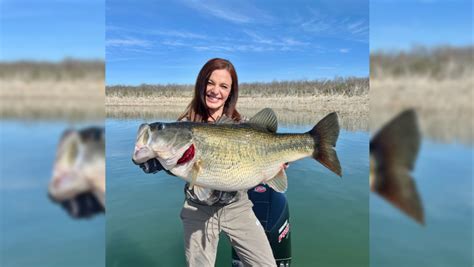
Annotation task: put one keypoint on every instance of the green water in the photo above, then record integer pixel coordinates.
(443, 174)
(329, 215)
(35, 231)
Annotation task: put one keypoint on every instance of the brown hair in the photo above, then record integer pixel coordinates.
(197, 110)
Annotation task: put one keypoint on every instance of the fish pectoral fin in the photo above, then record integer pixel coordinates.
(279, 183)
(202, 193)
(195, 172)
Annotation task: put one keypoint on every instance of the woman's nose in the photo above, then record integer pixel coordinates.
(214, 90)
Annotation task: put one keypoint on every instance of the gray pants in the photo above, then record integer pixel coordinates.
(202, 225)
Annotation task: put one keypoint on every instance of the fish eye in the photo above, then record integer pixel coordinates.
(161, 126)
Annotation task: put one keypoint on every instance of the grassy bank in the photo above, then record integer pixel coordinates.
(70, 89)
(295, 102)
(436, 82)
(438, 63)
(352, 111)
(65, 70)
(339, 86)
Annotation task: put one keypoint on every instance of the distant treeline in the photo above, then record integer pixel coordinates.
(438, 62)
(67, 69)
(338, 86)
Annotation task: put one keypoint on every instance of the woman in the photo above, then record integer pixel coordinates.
(215, 96)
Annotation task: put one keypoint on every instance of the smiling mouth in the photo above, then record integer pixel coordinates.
(212, 98)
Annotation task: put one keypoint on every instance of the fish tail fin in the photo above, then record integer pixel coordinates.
(325, 135)
(395, 148)
(398, 141)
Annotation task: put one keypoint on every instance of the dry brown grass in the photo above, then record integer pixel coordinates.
(349, 86)
(66, 90)
(295, 102)
(67, 69)
(353, 111)
(438, 83)
(444, 107)
(437, 63)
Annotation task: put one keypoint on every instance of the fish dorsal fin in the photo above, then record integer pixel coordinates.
(279, 183)
(265, 118)
(224, 119)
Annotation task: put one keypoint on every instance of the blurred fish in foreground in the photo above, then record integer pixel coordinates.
(78, 180)
(393, 152)
(38, 101)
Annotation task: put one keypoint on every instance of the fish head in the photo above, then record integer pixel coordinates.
(167, 142)
(78, 179)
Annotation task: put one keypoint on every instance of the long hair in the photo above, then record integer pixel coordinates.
(197, 110)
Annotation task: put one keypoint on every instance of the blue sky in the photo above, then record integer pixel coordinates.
(52, 29)
(169, 41)
(401, 24)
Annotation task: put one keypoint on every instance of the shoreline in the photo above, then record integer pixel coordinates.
(443, 107)
(353, 111)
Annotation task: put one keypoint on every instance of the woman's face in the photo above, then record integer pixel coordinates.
(218, 90)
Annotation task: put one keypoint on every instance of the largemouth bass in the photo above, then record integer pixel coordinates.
(393, 152)
(229, 157)
(78, 180)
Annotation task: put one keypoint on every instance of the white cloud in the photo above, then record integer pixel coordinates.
(358, 27)
(282, 43)
(128, 42)
(316, 25)
(257, 38)
(237, 12)
(293, 42)
(175, 33)
(173, 43)
(344, 50)
(347, 28)
(216, 9)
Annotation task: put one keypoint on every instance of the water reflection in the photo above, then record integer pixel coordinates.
(286, 117)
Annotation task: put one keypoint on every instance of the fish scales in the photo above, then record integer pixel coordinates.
(247, 154)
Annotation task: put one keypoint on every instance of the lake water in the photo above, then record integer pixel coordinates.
(443, 175)
(35, 231)
(329, 215)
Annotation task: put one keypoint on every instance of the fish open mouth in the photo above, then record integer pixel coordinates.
(187, 155)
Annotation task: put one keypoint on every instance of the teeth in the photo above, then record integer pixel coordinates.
(213, 97)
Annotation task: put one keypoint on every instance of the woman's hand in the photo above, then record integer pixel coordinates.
(151, 166)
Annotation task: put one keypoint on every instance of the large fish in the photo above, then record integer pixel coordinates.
(393, 152)
(229, 157)
(78, 180)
